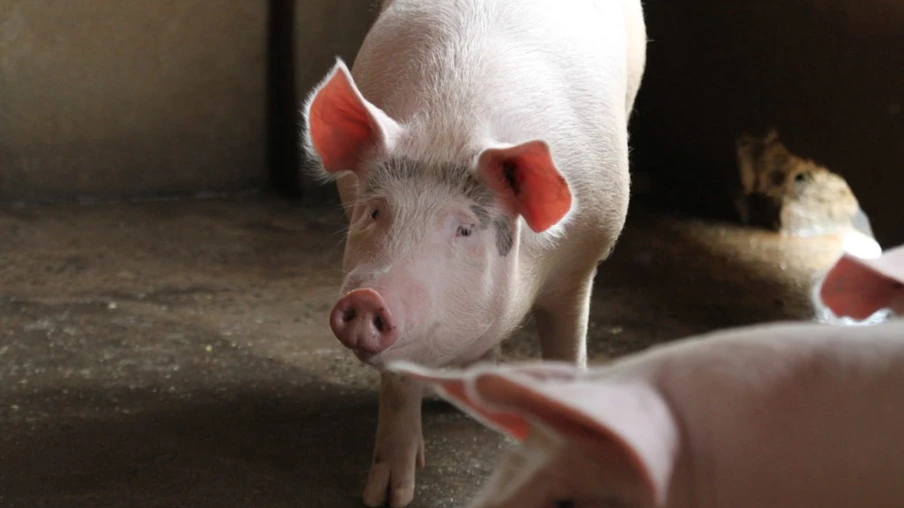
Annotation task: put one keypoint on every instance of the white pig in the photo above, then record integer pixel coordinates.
(787, 415)
(481, 154)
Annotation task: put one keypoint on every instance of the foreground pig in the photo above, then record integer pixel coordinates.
(481, 152)
(783, 415)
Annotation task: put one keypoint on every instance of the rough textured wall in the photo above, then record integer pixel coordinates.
(829, 74)
(112, 97)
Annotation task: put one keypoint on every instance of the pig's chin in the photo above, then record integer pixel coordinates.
(409, 352)
(398, 351)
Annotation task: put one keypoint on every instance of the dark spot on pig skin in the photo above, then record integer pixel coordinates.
(508, 171)
(456, 177)
(483, 216)
(504, 237)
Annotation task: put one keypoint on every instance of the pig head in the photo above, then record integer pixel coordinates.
(431, 247)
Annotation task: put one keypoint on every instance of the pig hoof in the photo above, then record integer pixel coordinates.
(384, 484)
(391, 479)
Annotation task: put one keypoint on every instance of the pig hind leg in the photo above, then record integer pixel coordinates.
(562, 317)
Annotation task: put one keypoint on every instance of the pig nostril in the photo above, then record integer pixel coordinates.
(378, 323)
(349, 315)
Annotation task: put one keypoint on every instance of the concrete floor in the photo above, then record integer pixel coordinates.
(177, 354)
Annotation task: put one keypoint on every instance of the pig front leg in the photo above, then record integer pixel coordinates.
(399, 443)
(562, 319)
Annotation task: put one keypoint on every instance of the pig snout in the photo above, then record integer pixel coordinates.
(362, 322)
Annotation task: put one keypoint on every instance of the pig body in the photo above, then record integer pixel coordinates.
(480, 149)
(781, 415)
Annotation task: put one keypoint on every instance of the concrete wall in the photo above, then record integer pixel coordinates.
(119, 97)
(108, 98)
(112, 97)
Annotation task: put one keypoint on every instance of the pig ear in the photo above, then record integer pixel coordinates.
(457, 387)
(631, 423)
(341, 126)
(857, 288)
(527, 177)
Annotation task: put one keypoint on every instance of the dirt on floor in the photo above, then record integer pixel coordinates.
(178, 354)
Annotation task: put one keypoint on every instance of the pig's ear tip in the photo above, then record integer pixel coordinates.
(340, 67)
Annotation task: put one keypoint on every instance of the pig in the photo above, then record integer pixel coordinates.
(780, 415)
(480, 150)
(784, 415)
(857, 288)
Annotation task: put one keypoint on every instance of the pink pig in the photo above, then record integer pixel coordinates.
(480, 148)
(785, 415)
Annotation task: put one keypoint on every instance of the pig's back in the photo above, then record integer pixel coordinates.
(793, 415)
(463, 72)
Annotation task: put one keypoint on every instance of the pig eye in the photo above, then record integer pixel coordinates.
(464, 231)
(375, 213)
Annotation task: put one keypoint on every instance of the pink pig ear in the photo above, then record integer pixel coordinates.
(857, 288)
(457, 387)
(527, 176)
(629, 423)
(341, 125)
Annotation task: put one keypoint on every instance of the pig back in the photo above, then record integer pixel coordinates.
(792, 415)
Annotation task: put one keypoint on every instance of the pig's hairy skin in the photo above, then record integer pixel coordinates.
(501, 72)
(752, 430)
(785, 415)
